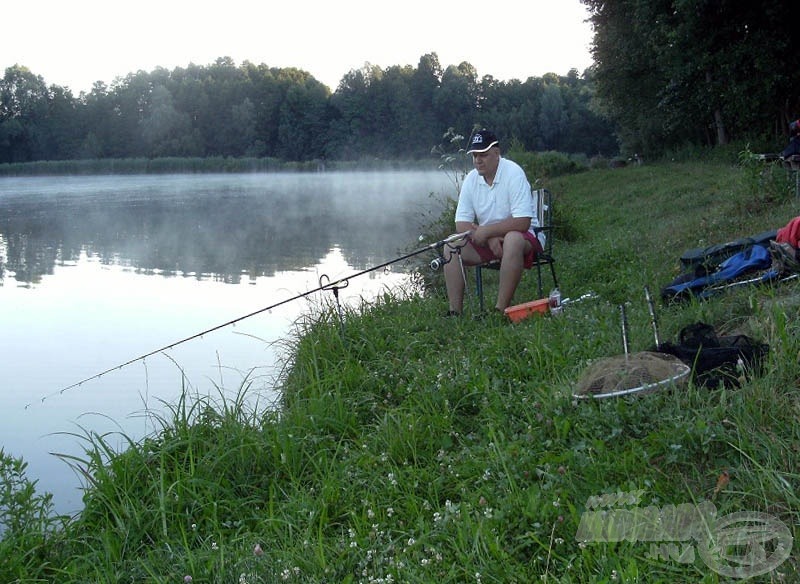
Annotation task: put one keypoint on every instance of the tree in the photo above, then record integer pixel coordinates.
(23, 112)
(673, 72)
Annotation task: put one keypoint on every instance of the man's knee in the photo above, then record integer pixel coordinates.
(515, 243)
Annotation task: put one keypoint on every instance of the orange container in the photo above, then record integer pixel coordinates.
(519, 312)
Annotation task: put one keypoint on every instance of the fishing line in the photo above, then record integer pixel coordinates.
(333, 286)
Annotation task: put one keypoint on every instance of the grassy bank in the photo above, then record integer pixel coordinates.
(413, 448)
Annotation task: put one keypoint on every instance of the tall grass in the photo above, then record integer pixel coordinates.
(413, 448)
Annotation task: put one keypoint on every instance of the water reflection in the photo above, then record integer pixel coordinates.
(221, 227)
(82, 289)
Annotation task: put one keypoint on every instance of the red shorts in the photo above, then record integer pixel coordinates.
(487, 255)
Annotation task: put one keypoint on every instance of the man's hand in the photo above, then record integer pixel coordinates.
(480, 236)
(496, 245)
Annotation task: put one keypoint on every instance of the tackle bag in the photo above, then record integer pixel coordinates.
(697, 283)
(716, 361)
(712, 256)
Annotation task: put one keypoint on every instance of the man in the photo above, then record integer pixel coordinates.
(794, 141)
(496, 207)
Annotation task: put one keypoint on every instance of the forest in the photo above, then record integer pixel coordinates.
(667, 74)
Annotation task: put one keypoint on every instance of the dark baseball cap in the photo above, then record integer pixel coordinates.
(482, 141)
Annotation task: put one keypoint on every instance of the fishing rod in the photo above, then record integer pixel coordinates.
(333, 286)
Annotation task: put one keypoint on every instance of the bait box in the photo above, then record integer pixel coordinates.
(522, 311)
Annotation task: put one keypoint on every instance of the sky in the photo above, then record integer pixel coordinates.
(76, 43)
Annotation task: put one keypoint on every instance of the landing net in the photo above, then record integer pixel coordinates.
(632, 373)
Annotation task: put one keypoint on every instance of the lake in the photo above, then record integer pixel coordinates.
(98, 271)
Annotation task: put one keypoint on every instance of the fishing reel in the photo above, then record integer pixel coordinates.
(438, 263)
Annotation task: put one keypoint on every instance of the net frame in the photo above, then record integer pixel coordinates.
(624, 375)
(650, 370)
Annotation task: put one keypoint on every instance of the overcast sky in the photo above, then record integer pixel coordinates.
(76, 43)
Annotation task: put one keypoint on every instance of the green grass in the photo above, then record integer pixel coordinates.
(413, 448)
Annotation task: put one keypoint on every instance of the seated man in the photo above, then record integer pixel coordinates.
(794, 141)
(496, 207)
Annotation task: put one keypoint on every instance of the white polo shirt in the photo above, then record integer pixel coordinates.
(508, 196)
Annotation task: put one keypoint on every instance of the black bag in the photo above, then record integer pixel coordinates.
(717, 361)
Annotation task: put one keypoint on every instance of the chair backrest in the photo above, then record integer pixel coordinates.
(543, 202)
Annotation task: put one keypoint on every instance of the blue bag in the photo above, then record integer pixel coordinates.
(756, 258)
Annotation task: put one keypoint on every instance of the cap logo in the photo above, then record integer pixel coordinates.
(477, 139)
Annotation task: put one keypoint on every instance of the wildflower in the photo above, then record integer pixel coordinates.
(257, 551)
(214, 546)
(389, 511)
(482, 501)
(187, 578)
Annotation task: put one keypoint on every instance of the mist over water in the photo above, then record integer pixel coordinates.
(98, 270)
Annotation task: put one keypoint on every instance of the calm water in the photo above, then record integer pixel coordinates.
(97, 271)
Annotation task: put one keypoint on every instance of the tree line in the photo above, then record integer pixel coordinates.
(258, 111)
(667, 74)
(704, 72)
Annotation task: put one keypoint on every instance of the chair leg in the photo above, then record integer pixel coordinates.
(539, 276)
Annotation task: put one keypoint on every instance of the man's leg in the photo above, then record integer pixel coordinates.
(515, 246)
(453, 276)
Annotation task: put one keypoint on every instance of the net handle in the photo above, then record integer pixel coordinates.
(624, 320)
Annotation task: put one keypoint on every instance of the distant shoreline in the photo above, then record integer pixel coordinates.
(199, 165)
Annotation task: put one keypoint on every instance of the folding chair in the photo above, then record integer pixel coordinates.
(543, 203)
